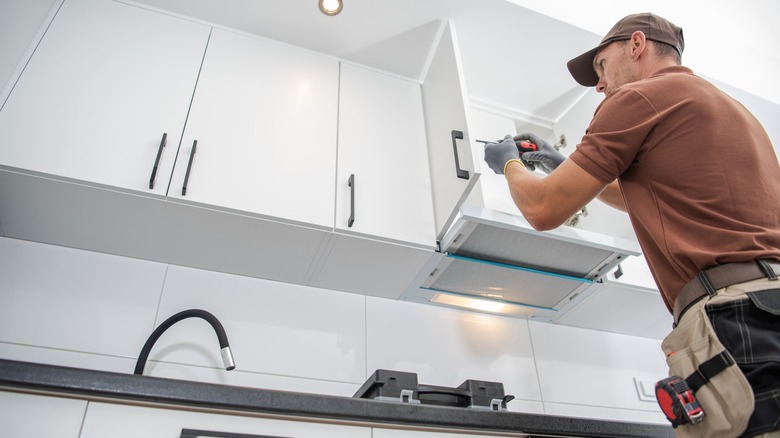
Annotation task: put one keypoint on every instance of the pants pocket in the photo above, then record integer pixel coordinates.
(749, 329)
(766, 416)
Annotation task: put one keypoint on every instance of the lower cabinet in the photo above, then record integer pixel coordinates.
(27, 415)
(392, 433)
(119, 421)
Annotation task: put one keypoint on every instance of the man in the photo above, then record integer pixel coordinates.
(700, 181)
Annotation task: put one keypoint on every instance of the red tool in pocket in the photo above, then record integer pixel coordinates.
(678, 402)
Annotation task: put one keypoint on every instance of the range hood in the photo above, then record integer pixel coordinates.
(496, 262)
(489, 260)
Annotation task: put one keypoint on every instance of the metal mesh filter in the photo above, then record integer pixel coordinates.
(533, 251)
(520, 286)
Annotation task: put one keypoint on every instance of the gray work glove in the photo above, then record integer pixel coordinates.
(545, 159)
(497, 154)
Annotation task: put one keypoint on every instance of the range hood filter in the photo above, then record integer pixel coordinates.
(513, 284)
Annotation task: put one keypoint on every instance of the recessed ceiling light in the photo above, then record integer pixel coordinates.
(331, 7)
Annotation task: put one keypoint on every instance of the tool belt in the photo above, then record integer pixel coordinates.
(718, 277)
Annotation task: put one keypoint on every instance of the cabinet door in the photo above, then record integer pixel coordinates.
(392, 433)
(103, 86)
(383, 186)
(120, 421)
(27, 415)
(447, 124)
(264, 118)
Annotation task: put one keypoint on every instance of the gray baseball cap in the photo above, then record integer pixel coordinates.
(654, 27)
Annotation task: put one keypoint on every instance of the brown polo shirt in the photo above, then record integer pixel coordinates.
(699, 175)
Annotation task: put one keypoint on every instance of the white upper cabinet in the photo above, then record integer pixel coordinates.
(264, 117)
(445, 101)
(383, 186)
(105, 84)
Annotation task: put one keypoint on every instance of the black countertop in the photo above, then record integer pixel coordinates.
(101, 385)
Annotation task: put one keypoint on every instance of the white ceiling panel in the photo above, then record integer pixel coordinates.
(512, 57)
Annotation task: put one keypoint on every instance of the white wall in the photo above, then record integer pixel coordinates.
(76, 308)
(724, 39)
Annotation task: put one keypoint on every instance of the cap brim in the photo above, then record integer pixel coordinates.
(581, 68)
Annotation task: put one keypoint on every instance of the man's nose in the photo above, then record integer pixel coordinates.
(601, 86)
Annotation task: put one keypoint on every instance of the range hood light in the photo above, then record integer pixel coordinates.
(484, 305)
(469, 303)
(331, 7)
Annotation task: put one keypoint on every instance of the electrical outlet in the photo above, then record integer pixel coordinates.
(645, 389)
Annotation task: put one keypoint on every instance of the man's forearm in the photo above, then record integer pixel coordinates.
(546, 203)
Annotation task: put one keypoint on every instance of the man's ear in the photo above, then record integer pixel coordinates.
(637, 44)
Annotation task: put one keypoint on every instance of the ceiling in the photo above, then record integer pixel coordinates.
(513, 58)
(513, 52)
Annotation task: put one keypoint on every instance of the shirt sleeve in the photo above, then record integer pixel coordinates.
(623, 122)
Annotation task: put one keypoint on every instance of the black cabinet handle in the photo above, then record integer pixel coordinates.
(351, 183)
(189, 167)
(463, 174)
(157, 161)
(194, 433)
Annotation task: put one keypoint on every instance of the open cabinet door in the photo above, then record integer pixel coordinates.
(487, 260)
(447, 118)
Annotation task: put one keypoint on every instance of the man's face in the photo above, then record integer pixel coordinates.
(613, 66)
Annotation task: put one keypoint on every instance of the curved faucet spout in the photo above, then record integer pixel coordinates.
(227, 355)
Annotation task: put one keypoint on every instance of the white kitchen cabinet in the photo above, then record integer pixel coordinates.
(106, 84)
(368, 266)
(37, 416)
(383, 186)
(264, 117)
(492, 190)
(384, 215)
(120, 421)
(395, 433)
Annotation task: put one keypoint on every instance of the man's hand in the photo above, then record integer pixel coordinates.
(498, 154)
(546, 158)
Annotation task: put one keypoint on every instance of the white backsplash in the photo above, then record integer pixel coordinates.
(75, 308)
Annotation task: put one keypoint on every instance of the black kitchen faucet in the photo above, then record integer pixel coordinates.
(227, 356)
